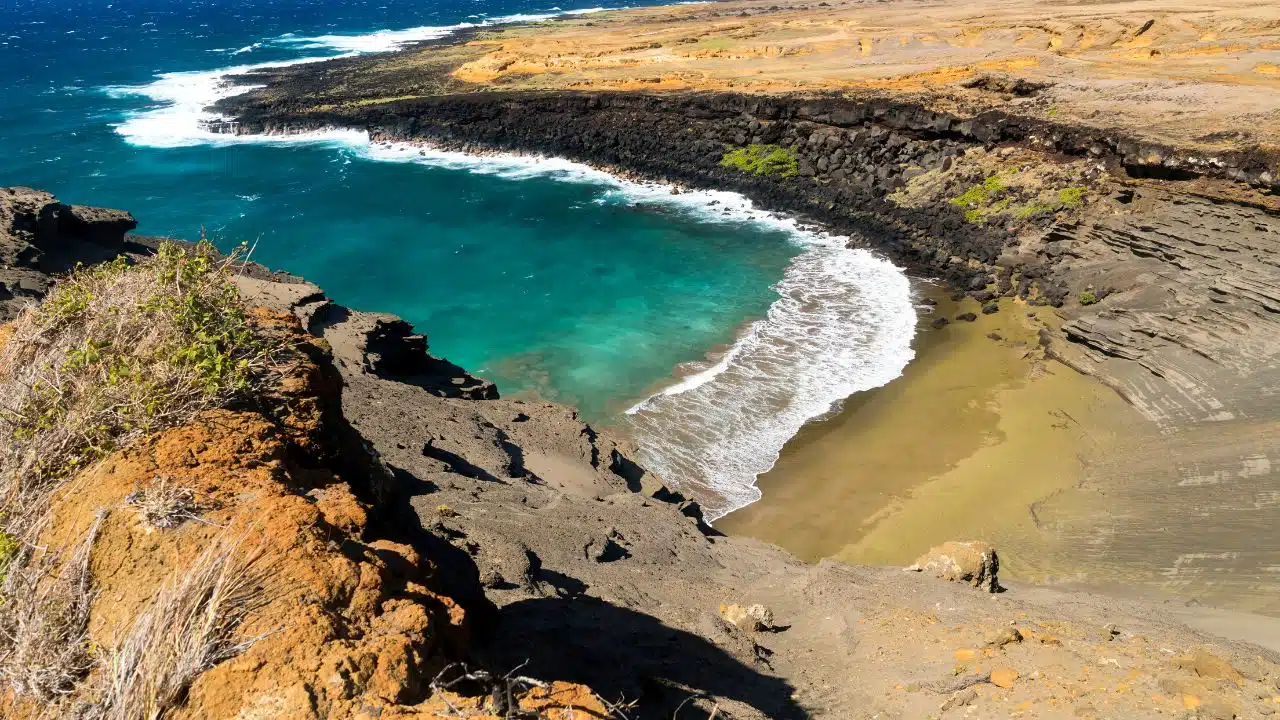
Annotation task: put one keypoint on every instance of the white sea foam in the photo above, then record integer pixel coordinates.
(182, 98)
(385, 40)
(843, 324)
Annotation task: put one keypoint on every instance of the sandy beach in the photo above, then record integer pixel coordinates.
(979, 429)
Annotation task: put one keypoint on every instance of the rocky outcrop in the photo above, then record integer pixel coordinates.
(973, 562)
(40, 236)
(603, 576)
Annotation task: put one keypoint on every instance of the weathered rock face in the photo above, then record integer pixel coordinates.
(601, 576)
(40, 236)
(973, 562)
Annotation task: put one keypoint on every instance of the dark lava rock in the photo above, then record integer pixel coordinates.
(940, 323)
(990, 308)
(967, 317)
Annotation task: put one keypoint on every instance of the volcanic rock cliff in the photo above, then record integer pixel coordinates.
(408, 544)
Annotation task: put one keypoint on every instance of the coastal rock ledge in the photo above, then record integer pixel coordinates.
(410, 545)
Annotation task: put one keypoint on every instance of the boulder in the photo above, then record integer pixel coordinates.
(973, 562)
(755, 618)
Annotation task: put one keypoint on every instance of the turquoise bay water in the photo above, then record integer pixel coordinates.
(548, 277)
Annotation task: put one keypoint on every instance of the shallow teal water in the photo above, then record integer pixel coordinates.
(527, 281)
(545, 276)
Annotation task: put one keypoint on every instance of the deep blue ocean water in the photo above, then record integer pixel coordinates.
(545, 276)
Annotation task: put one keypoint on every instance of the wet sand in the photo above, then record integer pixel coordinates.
(979, 429)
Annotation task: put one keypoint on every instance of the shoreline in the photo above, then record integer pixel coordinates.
(964, 443)
(896, 168)
(706, 204)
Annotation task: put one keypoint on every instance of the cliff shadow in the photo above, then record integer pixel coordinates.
(625, 655)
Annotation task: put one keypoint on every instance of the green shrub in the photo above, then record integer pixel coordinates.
(1088, 297)
(980, 201)
(1072, 197)
(981, 194)
(766, 160)
(116, 351)
(1033, 209)
(9, 551)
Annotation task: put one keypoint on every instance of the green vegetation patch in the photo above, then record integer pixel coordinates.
(1071, 197)
(1088, 297)
(766, 160)
(983, 200)
(114, 352)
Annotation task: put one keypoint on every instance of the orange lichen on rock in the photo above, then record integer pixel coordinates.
(345, 621)
(563, 700)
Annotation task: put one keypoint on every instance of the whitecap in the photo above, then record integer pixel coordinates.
(387, 40)
(181, 114)
(183, 98)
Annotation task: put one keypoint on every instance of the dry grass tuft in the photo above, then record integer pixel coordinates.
(162, 505)
(45, 618)
(115, 352)
(190, 626)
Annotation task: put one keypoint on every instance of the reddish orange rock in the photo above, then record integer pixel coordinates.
(1004, 677)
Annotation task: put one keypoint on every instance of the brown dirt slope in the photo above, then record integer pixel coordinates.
(315, 604)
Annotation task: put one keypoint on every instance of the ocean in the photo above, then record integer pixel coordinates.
(706, 329)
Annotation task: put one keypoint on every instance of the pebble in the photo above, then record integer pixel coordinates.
(1003, 637)
(1004, 677)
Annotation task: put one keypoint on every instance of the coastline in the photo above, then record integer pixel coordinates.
(964, 443)
(1104, 224)
(1044, 339)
